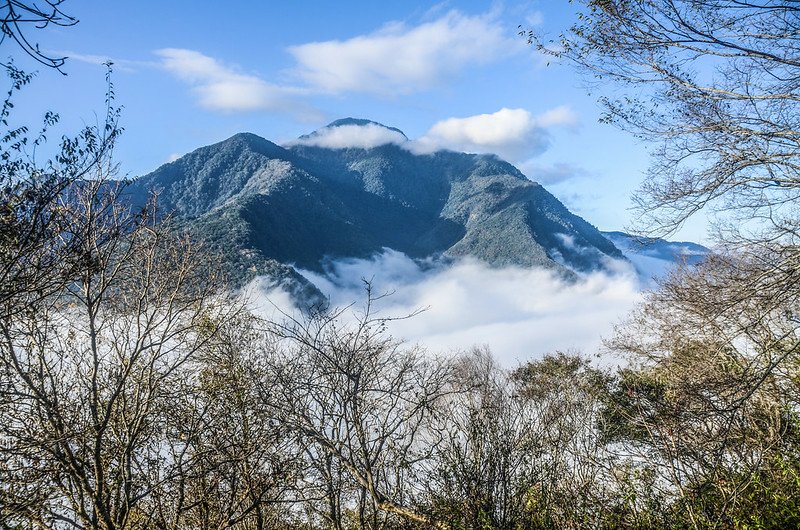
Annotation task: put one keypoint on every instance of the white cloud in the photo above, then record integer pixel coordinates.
(121, 65)
(223, 88)
(398, 59)
(87, 57)
(513, 134)
(348, 136)
(520, 313)
(558, 116)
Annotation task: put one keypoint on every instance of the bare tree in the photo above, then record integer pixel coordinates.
(361, 405)
(715, 82)
(711, 400)
(237, 465)
(484, 464)
(16, 17)
(37, 251)
(34, 255)
(92, 373)
(522, 449)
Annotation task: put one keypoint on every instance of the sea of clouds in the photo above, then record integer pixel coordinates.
(519, 313)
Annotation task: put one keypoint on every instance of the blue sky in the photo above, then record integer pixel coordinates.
(450, 75)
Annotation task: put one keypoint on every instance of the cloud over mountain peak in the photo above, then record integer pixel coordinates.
(347, 133)
(512, 134)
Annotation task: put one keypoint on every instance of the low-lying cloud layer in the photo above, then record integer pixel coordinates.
(520, 313)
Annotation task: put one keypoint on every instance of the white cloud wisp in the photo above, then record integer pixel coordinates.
(352, 136)
(222, 88)
(398, 59)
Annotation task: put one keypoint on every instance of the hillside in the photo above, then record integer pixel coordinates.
(271, 208)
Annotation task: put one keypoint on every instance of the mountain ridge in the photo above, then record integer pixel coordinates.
(270, 208)
(358, 122)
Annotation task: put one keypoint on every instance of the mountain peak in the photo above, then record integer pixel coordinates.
(338, 195)
(361, 122)
(250, 140)
(352, 122)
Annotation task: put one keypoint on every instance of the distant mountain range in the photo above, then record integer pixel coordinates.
(654, 257)
(270, 209)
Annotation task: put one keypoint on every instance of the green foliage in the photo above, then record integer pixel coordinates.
(544, 378)
(768, 498)
(634, 394)
(772, 498)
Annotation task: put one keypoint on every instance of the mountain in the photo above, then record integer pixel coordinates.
(654, 257)
(270, 208)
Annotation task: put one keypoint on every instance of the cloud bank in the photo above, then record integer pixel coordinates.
(398, 59)
(520, 313)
